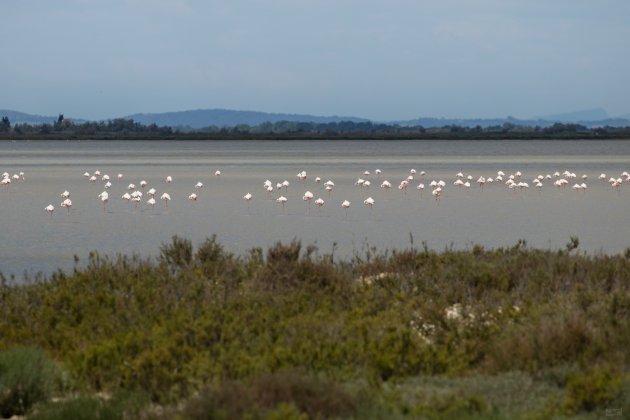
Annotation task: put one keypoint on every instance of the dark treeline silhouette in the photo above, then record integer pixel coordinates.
(122, 128)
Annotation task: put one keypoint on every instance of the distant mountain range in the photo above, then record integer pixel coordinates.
(17, 117)
(201, 118)
(228, 118)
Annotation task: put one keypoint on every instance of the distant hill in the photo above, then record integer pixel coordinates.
(201, 118)
(226, 118)
(17, 117)
(580, 117)
(595, 114)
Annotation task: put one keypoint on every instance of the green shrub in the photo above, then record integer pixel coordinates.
(269, 396)
(27, 377)
(591, 390)
(103, 407)
(82, 408)
(452, 406)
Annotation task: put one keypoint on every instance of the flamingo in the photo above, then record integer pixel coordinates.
(285, 184)
(282, 200)
(420, 187)
(247, 197)
(152, 192)
(104, 196)
(166, 198)
(320, 203)
(97, 173)
(143, 184)
(346, 205)
(318, 179)
(108, 184)
(192, 197)
(105, 177)
(377, 172)
(302, 176)
(65, 194)
(199, 185)
(86, 174)
(168, 179)
(386, 184)
(369, 202)
(50, 209)
(67, 203)
(217, 173)
(403, 185)
(5, 182)
(92, 178)
(329, 188)
(151, 202)
(126, 196)
(308, 196)
(120, 176)
(412, 171)
(131, 187)
(22, 176)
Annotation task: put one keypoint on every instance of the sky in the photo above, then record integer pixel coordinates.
(383, 60)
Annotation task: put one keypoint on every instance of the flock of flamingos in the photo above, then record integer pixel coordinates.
(136, 194)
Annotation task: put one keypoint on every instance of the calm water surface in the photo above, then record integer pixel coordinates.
(32, 241)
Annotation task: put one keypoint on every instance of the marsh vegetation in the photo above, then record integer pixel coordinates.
(199, 332)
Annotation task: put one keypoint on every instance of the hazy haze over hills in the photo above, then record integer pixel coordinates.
(201, 118)
(224, 117)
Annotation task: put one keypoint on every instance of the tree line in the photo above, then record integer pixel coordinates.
(122, 128)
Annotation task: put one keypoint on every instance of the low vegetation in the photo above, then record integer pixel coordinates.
(201, 333)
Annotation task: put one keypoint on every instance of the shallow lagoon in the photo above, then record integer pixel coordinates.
(32, 241)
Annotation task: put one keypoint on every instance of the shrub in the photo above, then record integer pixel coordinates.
(591, 390)
(83, 408)
(27, 376)
(123, 406)
(289, 393)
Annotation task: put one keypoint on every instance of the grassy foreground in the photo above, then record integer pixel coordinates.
(201, 333)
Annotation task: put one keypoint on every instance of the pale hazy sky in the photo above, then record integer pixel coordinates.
(389, 59)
